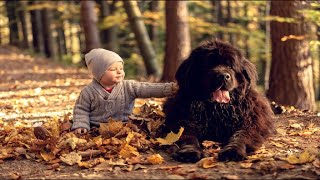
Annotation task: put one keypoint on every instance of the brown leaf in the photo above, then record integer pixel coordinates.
(41, 133)
(111, 128)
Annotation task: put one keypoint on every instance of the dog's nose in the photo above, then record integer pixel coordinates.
(226, 76)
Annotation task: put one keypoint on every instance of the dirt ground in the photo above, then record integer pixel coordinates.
(34, 89)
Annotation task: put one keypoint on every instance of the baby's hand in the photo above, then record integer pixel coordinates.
(80, 131)
(175, 87)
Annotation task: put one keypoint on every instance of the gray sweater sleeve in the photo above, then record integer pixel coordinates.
(81, 111)
(148, 90)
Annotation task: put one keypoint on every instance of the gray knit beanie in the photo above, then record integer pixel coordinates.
(98, 61)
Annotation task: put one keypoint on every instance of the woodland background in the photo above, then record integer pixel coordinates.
(153, 37)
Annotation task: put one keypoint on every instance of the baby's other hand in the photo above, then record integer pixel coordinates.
(80, 131)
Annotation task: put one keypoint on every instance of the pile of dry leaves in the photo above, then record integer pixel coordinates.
(128, 145)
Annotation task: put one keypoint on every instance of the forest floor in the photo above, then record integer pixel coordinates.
(33, 90)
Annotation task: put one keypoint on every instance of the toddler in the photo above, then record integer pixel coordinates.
(109, 95)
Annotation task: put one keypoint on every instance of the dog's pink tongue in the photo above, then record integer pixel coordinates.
(221, 96)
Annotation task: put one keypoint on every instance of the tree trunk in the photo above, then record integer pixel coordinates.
(177, 37)
(36, 24)
(50, 46)
(109, 36)
(267, 49)
(229, 20)
(218, 17)
(291, 68)
(61, 38)
(22, 17)
(152, 28)
(142, 38)
(318, 35)
(89, 24)
(13, 22)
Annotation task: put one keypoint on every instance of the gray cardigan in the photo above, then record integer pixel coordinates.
(95, 105)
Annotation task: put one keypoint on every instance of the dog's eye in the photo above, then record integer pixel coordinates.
(229, 67)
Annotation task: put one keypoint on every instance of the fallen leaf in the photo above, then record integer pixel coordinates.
(71, 158)
(302, 158)
(206, 163)
(155, 159)
(170, 138)
(47, 156)
(129, 151)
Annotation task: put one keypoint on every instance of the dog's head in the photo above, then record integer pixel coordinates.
(213, 70)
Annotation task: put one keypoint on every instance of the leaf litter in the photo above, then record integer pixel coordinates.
(35, 121)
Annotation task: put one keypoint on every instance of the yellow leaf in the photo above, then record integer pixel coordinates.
(206, 163)
(302, 158)
(136, 111)
(47, 156)
(129, 151)
(74, 141)
(71, 158)
(171, 138)
(155, 159)
(97, 140)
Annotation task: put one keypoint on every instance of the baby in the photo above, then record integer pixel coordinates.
(109, 95)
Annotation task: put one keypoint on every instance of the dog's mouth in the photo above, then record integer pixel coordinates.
(220, 96)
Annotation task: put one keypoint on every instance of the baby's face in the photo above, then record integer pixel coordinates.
(113, 75)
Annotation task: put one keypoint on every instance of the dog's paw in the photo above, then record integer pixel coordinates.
(188, 153)
(231, 154)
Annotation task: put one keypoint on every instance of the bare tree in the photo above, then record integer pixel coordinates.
(177, 37)
(291, 78)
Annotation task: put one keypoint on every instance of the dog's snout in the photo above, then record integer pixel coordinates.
(226, 76)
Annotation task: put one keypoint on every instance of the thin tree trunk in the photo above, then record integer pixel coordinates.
(218, 16)
(36, 24)
(291, 77)
(142, 38)
(267, 49)
(152, 28)
(13, 22)
(229, 20)
(89, 23)
(177, 38)
(50, 46)
(22, 17)
(109, 36)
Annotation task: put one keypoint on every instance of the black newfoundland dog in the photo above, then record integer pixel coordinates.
(217, 100)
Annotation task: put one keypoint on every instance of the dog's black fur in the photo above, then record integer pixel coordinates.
(238, 116)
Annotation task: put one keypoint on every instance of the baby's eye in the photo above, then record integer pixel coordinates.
(112, 69)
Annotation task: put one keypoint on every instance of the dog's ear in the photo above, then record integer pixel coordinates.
(249, 71)
(183, 73)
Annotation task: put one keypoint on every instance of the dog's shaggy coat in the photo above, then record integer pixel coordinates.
(217, 100)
